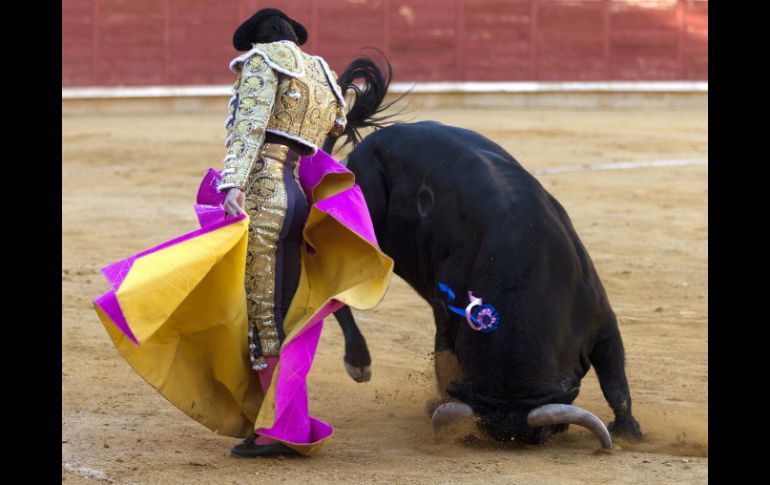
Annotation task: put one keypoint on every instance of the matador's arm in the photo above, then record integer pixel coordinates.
(251, 108)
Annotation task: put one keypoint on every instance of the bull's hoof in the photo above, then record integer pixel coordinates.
(359, 374)
(627, 428)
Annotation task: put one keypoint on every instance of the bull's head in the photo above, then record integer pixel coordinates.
(504, 381)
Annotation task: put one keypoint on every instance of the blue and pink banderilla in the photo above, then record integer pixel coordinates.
(480, 317)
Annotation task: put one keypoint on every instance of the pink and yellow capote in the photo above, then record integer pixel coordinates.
(177, 312)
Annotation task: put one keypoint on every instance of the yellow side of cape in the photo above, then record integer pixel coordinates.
(186, 305)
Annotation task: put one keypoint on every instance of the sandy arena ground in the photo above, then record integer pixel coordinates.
(129, 183)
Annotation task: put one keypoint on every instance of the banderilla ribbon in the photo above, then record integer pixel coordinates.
(486, 319)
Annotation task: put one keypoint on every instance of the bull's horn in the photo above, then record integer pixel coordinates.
(450, 412)
(551, 414)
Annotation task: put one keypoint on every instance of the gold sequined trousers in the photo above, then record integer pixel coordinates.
(277, 209)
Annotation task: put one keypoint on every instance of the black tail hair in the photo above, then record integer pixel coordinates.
(368, 102)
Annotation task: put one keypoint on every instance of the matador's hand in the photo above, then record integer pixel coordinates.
(235, 202)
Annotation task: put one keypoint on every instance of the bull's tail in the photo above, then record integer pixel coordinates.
(368, 100)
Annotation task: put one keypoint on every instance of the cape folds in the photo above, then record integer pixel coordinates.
(177, 312)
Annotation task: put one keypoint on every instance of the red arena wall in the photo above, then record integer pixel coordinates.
(189, 42)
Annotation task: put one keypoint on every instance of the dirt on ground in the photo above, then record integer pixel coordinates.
(129, 183)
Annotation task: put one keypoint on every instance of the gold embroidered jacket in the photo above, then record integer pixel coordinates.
(279, 90)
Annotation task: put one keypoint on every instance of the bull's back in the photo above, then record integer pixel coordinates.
(465, 171)
(433, 171)
(438, 193)
(449, 192)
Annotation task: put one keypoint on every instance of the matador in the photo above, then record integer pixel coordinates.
(224, 321)
(284, 105)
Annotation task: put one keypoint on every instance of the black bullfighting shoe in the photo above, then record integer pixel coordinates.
(247, 448)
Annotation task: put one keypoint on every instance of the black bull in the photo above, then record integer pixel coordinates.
(451, 206)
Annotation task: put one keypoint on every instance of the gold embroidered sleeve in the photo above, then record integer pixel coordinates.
(255, 98)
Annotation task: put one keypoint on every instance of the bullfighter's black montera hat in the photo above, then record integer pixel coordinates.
(246, 32)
